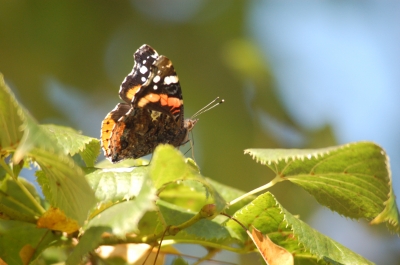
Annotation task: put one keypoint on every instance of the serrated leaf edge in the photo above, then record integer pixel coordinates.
(316, 154)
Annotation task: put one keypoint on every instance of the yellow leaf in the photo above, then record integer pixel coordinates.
(55, 219)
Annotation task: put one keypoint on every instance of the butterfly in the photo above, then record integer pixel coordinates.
(152, 112)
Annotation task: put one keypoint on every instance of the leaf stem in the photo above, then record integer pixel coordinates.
(21, 186)
(264, 187)
(6, 167)
(14, 201)
(10, 172)
(211, 253)
(30, 197)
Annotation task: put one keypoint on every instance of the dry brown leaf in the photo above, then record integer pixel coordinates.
(272, 253)
(55, 219)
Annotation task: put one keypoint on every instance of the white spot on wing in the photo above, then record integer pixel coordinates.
(143, 69)
(143, 79)
(171, 79)
(174, 79)
(155, 87)
(156, 79)
(144, 61)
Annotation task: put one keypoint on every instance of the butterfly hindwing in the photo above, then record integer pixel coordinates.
(111, 126)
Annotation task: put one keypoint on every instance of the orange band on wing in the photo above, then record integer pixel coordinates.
(106, 131)
(174, 102)
(130, 94)
(163, 99)
(148, 98)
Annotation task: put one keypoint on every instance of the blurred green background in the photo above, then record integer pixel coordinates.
(293, 75)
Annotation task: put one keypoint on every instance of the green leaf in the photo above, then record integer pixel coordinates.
(228, 194)
(322, 246)
(116, 184)
(66, 185)
(353, 180)
(124, 217)
(22, 242)
(89, 241)
(168, 167)
(73, 142)
(206, 232)
(120, 218)
(10, 120)
(14, 203)
(285, 230)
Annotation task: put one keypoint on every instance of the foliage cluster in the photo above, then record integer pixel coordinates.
(88, 205)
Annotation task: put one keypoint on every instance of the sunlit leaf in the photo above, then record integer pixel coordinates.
(115, 184)
(168, 166)
(265, 214)
(285, 230)
(66, 186)
(353, 179)
(10, 120)
(120, 219)
(72, 142)
(123, 218)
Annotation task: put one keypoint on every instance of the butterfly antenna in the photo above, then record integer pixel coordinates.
(208, 107)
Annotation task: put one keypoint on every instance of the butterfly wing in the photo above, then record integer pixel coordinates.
(153, 84)
(144, 57)
(163, 91)
(152, 114)
(111, 127)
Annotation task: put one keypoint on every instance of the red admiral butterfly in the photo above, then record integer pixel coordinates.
(152, 114)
